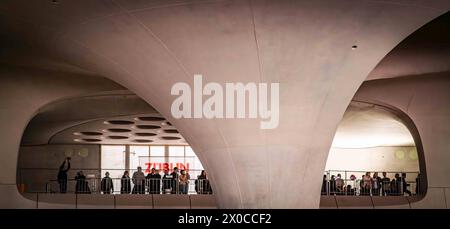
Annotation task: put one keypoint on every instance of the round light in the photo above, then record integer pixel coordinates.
(413, 154)
(400, 154)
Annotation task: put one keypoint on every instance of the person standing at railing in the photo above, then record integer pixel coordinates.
(202, 185)
(367, 184)
(184, 182)
(324, 190)
(385, 185)
(81, 186)
(339, 185)
(395, 185)
(139, 181)
(332, 185)
(175, 181)
(418, 184)
(62, 175)
(107, 184)
(376, 184)
(167, 182)
(125, 183)
(405, 185)
(154, 182)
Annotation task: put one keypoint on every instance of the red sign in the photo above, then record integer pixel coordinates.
(166, 166)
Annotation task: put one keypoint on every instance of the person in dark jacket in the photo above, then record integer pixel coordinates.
(62, 175)
(125, 183)
(175, 181)
(405, 185)
(167, 182)
(138, 179)
(107, 184)
(202, 185)
(153, 181)
(81, 186)
(324, 185)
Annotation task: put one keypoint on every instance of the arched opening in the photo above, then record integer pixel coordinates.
(106, 132)
(376, 151)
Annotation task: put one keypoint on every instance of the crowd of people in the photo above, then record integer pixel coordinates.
(176, 182)
(369, 185)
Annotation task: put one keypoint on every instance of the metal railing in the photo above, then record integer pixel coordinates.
(357, 183)
(129, 186)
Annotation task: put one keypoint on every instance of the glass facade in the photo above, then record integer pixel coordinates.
(160, 157)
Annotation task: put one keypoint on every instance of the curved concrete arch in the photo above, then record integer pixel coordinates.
(23, 93)
(303, 45)
(409, 123)
(425, 100)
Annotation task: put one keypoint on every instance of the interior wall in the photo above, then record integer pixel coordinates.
(37, 165)
(389, 159)
(425, 99)
(23, 91)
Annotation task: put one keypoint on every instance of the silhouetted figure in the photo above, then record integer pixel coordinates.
(349, 191)
(324, 190)
(62, 175)
(385, 185)
(138, 181)
(395, 185)
(405, 185)
(167, 182)
(367, 184)
(418, 184)
(202, 185)
(175, 181)
(107, 184)
(376, 184)
(332, 185)
(154, 182)
(81, 186)
(339, 185)
(125, 183)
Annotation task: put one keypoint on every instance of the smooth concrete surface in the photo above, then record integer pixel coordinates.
(22, 95)
(425, 99)
(434, 199)
(447, 197)
(134, 201)
(328, 202)
(56, 201)
(203, 202)
(89, 201)
(11, 198)
(303, 45)
(171, 201)
(354, 202)
(390, 202)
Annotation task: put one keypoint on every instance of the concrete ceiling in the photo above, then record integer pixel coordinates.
(113, 117)
(427, 50)
(367, 125)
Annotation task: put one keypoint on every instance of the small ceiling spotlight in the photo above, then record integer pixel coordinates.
(354, 47)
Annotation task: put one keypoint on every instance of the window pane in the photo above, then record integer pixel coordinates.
(138, 156)
(176, 151)
(189, 151)
(113, 160)
(157, 151)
